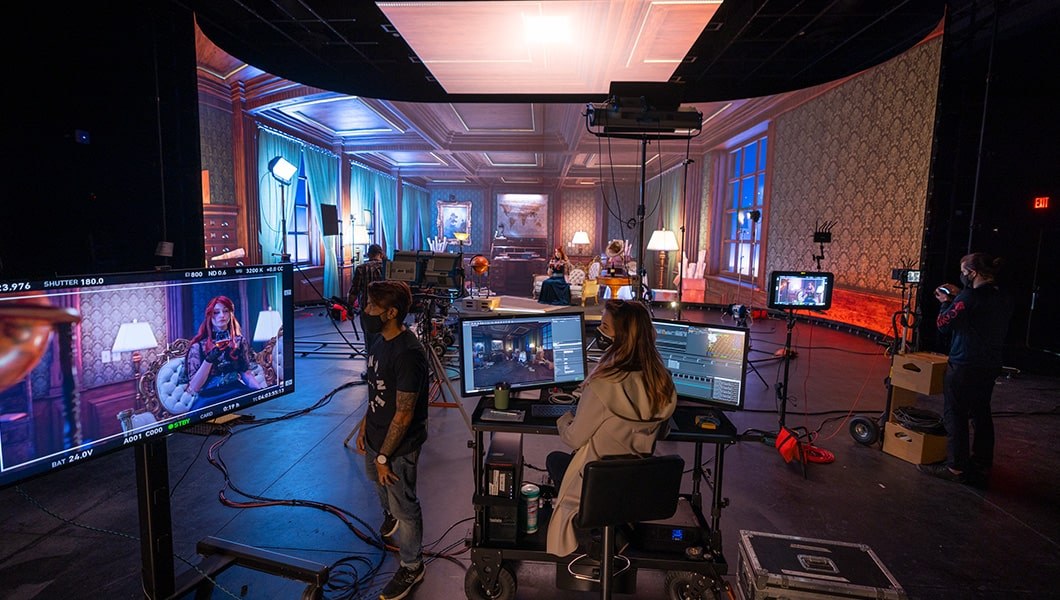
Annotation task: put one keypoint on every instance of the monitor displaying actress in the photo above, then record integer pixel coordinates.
(220, 357)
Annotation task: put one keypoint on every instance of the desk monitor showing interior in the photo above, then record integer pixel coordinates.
(707, 361)
(532, 351)
(91, 364)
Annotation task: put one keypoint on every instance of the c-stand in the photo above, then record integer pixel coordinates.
(742, 315)
(784, 445)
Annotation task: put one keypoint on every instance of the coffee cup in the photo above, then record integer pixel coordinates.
(500, 395)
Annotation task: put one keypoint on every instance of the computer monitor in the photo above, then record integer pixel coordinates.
(708, 362)
(531, 351)
(406, 266)
(800, 289)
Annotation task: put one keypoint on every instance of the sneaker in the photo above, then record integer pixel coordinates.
(942, 471)
(389, 526)
(402, 583)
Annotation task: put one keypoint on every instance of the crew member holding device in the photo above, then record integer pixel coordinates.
(977, 317)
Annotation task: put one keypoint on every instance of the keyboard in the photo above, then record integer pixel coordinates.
(554, 411)
(510, 416)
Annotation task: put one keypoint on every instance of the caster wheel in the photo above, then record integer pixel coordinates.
(864, 430)
(504, 589)
(687, 585)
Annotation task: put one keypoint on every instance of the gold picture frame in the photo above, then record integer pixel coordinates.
(453, 217)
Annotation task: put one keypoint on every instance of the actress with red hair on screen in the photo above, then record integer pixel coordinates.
(219, 357)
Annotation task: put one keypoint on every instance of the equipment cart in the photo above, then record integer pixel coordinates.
(687, 547)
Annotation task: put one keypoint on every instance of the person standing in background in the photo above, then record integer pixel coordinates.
(976, 317)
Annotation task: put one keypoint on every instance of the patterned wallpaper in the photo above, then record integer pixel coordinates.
(109, 309)
(579, 213)
(215, 148)
(859, 155)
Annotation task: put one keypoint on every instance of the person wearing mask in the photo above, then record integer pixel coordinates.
(219, 358)
(357, 298)
(976, 318)
(555, 289)
(394, 426)
(624, 403)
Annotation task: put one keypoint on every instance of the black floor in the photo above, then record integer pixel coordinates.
(72, 534)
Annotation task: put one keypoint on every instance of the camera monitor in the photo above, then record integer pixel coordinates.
(406, 266)
(92, 364)
(708, 363)
(533, 351)
(442, 269)
(800, 289)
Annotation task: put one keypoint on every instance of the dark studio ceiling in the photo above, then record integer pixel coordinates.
(364, 89)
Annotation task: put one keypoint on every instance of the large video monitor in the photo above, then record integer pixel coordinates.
(91, 364)
(708, 362)
(532, 351)
(800, 289)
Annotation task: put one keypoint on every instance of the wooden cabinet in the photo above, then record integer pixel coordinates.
(220, 233)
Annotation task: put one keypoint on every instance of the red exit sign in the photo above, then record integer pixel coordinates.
(1041, 202)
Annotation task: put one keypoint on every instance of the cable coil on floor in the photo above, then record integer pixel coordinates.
(919, 419)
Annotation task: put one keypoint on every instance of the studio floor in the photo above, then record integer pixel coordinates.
(292, 487)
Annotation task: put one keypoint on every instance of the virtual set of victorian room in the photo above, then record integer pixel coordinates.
(683, 299)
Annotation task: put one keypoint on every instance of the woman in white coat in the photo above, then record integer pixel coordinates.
(624, 402)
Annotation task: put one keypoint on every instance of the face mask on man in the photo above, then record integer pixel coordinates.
(372, 324)
(966, 281)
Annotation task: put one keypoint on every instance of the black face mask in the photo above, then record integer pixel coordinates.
(966, 281)
(372, 324)
(603, 341)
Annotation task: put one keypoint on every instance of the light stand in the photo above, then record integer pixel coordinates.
(283, 171)
(458, 275)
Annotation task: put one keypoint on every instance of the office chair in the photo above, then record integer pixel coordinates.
(624, 490)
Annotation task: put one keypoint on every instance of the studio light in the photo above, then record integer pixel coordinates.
(282, 170)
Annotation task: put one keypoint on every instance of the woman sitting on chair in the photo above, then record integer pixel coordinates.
(219, 357)
(555, 289)
(624, 402)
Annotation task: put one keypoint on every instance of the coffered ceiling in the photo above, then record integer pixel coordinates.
(367, 78)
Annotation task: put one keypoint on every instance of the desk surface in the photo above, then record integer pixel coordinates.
(682, 424)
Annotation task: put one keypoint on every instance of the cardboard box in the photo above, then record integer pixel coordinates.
(921, 372)
(913, 446)
(796, 568)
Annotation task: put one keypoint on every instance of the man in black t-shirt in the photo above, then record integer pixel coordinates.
(977, 318)
(395, 425)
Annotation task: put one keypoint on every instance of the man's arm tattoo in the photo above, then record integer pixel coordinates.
(406, 406)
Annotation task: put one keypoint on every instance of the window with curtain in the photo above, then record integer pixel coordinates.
(742, 209)
(298, 241)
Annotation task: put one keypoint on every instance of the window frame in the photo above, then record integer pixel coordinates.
(740, 240)
(294, 234)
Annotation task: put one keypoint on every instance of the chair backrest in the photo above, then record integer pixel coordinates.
(625, 490)
(576, 277)
(594, 270)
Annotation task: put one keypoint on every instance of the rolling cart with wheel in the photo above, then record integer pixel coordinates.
(693, 571)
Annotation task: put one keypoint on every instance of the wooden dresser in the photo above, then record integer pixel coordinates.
(220, 233)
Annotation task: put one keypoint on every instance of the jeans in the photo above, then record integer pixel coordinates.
(399, 499)
(967, 391)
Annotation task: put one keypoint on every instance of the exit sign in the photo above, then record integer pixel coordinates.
(1041, 202)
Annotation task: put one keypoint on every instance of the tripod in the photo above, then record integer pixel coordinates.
(742, 315)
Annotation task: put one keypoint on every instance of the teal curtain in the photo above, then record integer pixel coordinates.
(386, 225)
(322, 177)
(414, 228)
(270, 234)
(664, 202)
(362, 192)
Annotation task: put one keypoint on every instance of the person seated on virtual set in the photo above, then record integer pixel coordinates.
(219, 357)
(624, 403)
(555, 289)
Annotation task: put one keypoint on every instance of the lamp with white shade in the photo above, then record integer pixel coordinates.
(269, 323)
(135, 337)
(662, 240)
(580, 240)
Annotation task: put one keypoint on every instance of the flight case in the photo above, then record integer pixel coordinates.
(786, 567)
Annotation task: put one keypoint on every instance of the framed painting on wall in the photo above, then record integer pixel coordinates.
(453, 217)
(523, 215)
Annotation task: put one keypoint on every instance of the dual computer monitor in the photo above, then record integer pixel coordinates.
(707, 361)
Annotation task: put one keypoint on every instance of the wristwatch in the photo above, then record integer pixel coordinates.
(381, 459)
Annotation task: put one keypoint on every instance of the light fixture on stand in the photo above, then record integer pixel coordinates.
(284, 172)
(360, 240)
(662, 240)
(135, 337)
(461, 239)
(268, 325)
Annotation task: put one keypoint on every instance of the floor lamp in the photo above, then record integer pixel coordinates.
(662, 240)
(283, 171)
(134, 337)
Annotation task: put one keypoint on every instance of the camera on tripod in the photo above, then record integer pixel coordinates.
(906, 275)
(737, 311)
